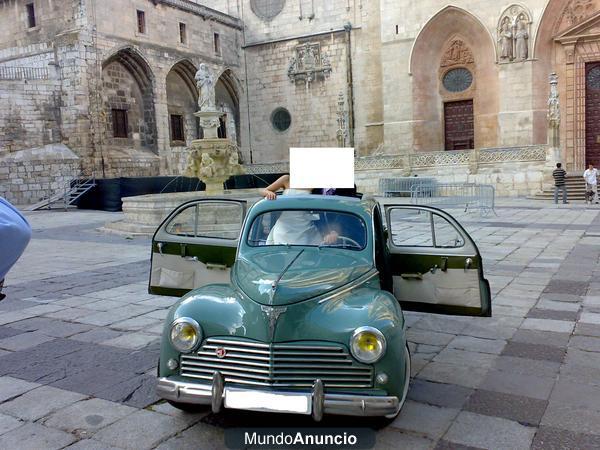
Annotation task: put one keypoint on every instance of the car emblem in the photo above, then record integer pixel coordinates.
(221, 352)
(273, 313)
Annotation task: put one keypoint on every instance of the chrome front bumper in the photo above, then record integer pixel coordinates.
(340, 404)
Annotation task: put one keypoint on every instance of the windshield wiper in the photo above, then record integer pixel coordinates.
(275, 283)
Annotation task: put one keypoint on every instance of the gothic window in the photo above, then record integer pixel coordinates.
(177, 128)
(120, 126)
(141, 21)
(593, 78)
(222, 130)
(457, 80)
(182, 33)
(281, 119)
(267, 9)
(30, 15)
(217, 44)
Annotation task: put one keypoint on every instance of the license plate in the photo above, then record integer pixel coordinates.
(297, 403)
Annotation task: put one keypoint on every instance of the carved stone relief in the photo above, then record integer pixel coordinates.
(578, 10)
(514, 31)
(457, 54)
(309, 63)
(553, 102)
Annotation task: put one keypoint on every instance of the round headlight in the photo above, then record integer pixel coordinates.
(367, 344)
(185, 334)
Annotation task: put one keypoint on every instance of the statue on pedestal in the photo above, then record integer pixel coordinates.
(205, 82)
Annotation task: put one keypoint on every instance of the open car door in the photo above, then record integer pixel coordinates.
(435, 265)
(195, 245)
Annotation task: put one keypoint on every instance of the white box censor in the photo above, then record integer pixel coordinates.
(326, 167)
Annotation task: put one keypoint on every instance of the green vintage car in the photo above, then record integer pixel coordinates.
(295, 305)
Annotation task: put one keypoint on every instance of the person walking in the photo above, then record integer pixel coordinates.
(15, 234)
(559, 175)
(590, 175)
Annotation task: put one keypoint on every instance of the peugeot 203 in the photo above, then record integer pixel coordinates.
(296, 305)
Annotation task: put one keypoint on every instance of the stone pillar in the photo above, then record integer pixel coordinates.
(161, 110)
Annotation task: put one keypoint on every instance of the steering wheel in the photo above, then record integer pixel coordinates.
(346, 239)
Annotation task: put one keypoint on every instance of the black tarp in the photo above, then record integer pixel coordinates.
(251, 181)
(108, 192)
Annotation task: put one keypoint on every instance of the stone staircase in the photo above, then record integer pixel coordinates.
(575, 190)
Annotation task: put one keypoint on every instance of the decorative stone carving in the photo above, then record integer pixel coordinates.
(308, 64)
(458, 53)
(553, 103)
(505, 39)
(342, 131)
(205, 82)
(577, 10)
(514, 30)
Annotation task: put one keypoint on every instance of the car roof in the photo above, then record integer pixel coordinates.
(357, 206)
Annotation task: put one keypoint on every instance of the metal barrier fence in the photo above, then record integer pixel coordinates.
(467, 195)
(403, 186)
(23, 73)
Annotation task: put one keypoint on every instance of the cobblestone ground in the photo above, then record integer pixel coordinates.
(79, 345)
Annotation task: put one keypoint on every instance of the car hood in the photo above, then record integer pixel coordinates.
(314, 272)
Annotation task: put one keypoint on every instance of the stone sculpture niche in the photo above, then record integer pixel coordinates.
(514, 31)
(211, 159)
(308, 64)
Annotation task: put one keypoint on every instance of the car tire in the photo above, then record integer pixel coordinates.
(188, 407)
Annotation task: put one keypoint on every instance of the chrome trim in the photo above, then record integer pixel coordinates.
(318, 398)
(277, 365)
(196, 327)
(377, 333)
(340, 404)
(217, 392)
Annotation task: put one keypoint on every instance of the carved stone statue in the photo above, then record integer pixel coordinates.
(207, 166)
(514, 29)
(205, 82)
(505, 38)
(522, 39)
(553, 103)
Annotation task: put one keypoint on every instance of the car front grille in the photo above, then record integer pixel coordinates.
(277, 365)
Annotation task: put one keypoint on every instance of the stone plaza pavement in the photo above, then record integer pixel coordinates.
(79, 345)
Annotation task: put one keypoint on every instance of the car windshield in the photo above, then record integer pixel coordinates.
(308, 228)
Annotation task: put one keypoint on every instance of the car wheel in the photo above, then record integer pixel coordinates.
(188, 407)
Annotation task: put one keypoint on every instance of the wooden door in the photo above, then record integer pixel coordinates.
(458, 125)
(592, 114)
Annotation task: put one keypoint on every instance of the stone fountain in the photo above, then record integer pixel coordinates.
(211, 159)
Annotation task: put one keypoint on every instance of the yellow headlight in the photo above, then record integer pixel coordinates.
(367, 344)
(185, 334)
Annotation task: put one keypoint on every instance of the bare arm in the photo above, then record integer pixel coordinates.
(281, 183)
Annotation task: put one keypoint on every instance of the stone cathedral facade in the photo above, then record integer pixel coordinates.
(459, 90)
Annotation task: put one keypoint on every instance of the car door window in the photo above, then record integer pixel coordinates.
(221, 220)
(416, 228)
(411, 228)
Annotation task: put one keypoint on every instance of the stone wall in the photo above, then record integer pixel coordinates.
(513, 171)
(312, 106)
(29, 114)
(27, 176)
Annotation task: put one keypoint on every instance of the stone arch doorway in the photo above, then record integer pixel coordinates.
(568, 43)
(227, 100)
(127, 102)
(454, 41)
(182, 103)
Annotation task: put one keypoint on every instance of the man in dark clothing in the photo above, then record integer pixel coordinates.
(559, 175)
